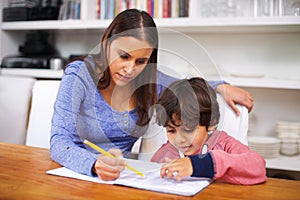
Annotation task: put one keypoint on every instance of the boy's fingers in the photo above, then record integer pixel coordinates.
(168, 160)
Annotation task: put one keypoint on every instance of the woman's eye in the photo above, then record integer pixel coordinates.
(124, 56)
(141, 61)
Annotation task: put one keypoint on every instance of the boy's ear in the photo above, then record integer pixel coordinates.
(212, 128)
(160, 114)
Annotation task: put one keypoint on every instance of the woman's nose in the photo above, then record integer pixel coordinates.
(129, 67)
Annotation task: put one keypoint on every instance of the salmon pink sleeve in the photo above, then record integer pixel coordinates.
(235, 163)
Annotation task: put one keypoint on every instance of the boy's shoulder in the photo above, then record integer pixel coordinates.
(218, 136)
(223, 139)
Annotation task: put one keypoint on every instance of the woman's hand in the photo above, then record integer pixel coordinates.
(182, 166)
(235, 95)
(108, 168)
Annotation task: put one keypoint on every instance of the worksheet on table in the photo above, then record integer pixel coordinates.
(151, 180)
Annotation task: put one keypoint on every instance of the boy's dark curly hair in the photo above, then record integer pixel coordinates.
(191, 101)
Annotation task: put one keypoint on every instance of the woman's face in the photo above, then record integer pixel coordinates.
(127, 57)
(188, 141)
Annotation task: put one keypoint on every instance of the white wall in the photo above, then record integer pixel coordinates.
(268, 53)
(276, 55)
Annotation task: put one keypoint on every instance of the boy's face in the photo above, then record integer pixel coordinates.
(188, 141)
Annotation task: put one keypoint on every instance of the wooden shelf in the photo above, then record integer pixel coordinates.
(36, 73)
(241, 82)
(230, 24)
(265, 82)
(284, 163)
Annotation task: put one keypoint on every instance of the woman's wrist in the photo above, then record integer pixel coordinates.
(215, 84)
(221, 88)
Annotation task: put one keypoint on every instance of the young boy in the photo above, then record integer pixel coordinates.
(189, 110)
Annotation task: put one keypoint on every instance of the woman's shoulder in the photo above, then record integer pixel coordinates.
(164, 79)
(74, 66)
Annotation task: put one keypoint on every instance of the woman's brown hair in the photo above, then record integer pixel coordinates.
(140, 25)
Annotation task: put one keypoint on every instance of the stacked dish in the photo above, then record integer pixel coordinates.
(298, 146)
(289, 134)
(267, 147)
(286, 129)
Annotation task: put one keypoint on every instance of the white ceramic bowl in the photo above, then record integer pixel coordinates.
(289, 147)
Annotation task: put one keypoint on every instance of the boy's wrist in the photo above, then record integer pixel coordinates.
(203, 165)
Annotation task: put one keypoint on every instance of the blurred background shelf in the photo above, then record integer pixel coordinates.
(187, 25)
(241, 82)
(291, 163)
(265, 82)
(36, 73)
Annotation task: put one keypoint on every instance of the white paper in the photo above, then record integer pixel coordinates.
(189, 186)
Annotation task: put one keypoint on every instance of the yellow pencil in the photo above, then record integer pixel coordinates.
(92, 145)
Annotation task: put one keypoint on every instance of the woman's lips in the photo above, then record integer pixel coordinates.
(124, 78)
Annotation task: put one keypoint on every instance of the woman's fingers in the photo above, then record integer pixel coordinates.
(234, 107)
(116, 153)
(235, 95)
(108, 168)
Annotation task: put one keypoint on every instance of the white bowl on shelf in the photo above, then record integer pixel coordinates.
(299, 146)
(267, 147)
(244, 71)
(289, 147)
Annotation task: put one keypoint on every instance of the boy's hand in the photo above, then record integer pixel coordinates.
(108, 168)
(182, 166)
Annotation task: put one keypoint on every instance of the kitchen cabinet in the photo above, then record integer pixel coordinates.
(258, 53)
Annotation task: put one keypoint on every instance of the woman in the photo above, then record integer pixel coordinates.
(106, 97)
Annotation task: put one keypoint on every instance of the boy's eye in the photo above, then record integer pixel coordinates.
(188, 130)
(171, 130)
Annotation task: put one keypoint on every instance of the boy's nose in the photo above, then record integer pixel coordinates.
(180, 138)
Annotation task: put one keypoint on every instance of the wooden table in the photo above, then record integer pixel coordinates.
(22, 176)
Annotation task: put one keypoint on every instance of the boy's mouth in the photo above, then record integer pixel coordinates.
(184, 148)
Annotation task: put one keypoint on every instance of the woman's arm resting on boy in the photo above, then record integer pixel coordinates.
(232, 95)
(235, 95)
